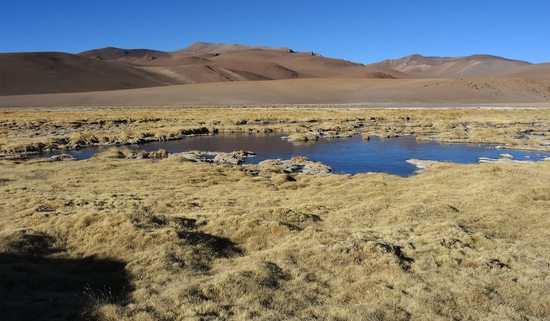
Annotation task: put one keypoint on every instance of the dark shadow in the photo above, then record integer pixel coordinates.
(220, 247)
(404, 261)
(43, 288)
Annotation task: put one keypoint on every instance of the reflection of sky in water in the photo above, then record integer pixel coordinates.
(353, 155)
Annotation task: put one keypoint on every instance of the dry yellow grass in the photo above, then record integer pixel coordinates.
(461, 242)
(172, 240)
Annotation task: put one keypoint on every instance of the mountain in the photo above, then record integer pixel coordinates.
(468, 66)
(117, 68)
(108, 69)
(218, 48)
(213, 62)
(112, 53)
(55, 72)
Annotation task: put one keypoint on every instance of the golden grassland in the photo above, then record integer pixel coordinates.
(168, 239)
(198, 241)
(33, 130)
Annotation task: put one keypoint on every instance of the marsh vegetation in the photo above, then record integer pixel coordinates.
(44, 129)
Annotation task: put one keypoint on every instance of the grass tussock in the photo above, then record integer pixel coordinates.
(172, 240)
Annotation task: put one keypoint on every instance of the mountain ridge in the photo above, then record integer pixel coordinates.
(439, 66)
(112, 68)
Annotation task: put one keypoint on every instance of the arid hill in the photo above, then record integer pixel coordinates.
(217, 48)
(56, 72)
(539, 72)
(475, 65)
(112, 53)
(411, 80)
(205, 62)
(115, 68)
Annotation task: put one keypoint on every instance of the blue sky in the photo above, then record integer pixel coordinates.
(361, 31)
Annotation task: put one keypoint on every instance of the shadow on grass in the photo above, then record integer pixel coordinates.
(218, 246)
(43, 288)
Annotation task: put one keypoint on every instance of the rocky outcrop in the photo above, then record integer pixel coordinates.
(233, 158)
(295, 165)
(501, 160)
(421, 164)
(158, 154)
(315, 135)
(504, 158)
(302, 137)
(336, 135)
(63, 158)
(282, 169)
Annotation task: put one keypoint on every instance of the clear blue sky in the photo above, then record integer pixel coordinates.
(361, 31)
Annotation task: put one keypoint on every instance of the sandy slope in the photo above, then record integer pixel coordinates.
(540, 72)
(49, 72)
(468, 66)
(384, 92)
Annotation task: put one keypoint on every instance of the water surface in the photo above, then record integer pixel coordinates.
(351, 156)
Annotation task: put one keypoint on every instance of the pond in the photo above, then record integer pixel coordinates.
(350, 156)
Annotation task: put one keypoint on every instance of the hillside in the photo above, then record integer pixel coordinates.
(468, 66)
(112, 53)
(116, 68)
(111, 69)
(56, 72)
(539, 72)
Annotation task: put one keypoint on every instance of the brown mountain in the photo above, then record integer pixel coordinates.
(206, 62)
(469, 66)
(56, 72)
(218, 48)
(112, 53)
(201, 73)
(116, 68)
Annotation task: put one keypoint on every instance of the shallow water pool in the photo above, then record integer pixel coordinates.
(351, 156)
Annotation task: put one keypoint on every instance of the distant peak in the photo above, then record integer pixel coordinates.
(468, 57)
(113, 53)
(217, 48)
(434, 66)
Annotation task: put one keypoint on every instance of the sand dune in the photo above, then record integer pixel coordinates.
(377, 92)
